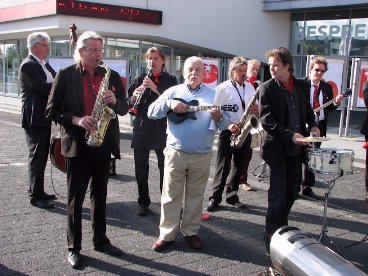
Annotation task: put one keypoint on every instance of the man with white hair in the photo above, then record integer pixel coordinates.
(36, 77)
(71, 103)
(188, 154)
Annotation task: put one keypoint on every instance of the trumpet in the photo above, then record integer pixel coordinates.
(133, 111)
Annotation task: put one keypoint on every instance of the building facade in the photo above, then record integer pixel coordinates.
(209, 28)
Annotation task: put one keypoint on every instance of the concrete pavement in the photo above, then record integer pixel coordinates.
(33, 241)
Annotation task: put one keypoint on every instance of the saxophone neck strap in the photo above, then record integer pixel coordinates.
(237, 90)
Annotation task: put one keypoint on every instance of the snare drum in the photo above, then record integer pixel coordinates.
(331, 161)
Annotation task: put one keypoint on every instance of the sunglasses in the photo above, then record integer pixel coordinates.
(319, 70)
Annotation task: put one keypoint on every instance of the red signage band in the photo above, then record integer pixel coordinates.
(97, 10)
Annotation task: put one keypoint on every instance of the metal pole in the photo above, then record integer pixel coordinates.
(342, 116)
(347, 122)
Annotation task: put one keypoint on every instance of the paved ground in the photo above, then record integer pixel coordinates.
(33, 241)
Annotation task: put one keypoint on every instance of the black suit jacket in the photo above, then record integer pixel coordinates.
(364, 129)
(274, 117)
(35, 92)
(147, 133)
(67, 100)
(327, 94)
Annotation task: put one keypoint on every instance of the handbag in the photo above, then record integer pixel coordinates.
(57, 159)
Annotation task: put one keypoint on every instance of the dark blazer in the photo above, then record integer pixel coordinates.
(67, 100)
(364, 129)
(274, 117)
(327, 94)
(35, 92)
(147, 133)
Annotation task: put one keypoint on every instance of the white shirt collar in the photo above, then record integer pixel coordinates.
(40, 61)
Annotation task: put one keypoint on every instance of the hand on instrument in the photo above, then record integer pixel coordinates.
(234, 128)
(254, 110)
(137, 93)
(296, 140)
(178, 106)
(109, 98)
(88, 123)
(315, 132)
(148, 83)
(339, 99)
(215, 114)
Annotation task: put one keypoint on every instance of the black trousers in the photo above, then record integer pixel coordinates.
(141, 160)
(38, 143)
(229, 167)
(89, 168)
(284, 181)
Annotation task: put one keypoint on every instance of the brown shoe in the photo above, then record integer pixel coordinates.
(194, 242)
(246, 187)
(160, 245)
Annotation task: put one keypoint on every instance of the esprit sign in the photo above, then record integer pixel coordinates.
(322, 32)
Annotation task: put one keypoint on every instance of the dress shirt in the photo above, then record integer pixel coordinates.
(320, 100)
(226, 93)
(50, 78)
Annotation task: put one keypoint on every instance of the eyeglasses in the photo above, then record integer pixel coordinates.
(95, 50)
(319, 70)
(44, 45)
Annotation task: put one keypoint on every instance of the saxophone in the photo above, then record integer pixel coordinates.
(103, 113)
(246, 123)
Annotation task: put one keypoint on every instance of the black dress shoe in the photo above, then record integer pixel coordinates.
(237, 204)
(108, 249)
(48, 197)
(212, 205)
(74, 259)
(142, 210)
(41, 203)
(308, 192)
(194, 242)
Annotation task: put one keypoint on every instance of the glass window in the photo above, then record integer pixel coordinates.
(118, 48)
(297, 38)
(60, 48)
(359, 37)
(11, 67)
(177, 63)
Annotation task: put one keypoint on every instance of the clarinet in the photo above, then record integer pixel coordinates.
(133, 111)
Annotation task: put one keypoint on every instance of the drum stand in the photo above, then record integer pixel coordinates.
(358, 242)
(323, 237)
(262, 175)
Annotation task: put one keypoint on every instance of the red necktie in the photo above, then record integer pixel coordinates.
(315, 97)
(157, 80)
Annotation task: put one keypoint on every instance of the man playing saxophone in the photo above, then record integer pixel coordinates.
(71, 103)
(230, 159)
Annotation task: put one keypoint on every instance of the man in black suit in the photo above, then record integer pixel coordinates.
(364, 130)
(284, 113)
(148, 134)
(36, 77)
(320, 93)
(71, 103)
